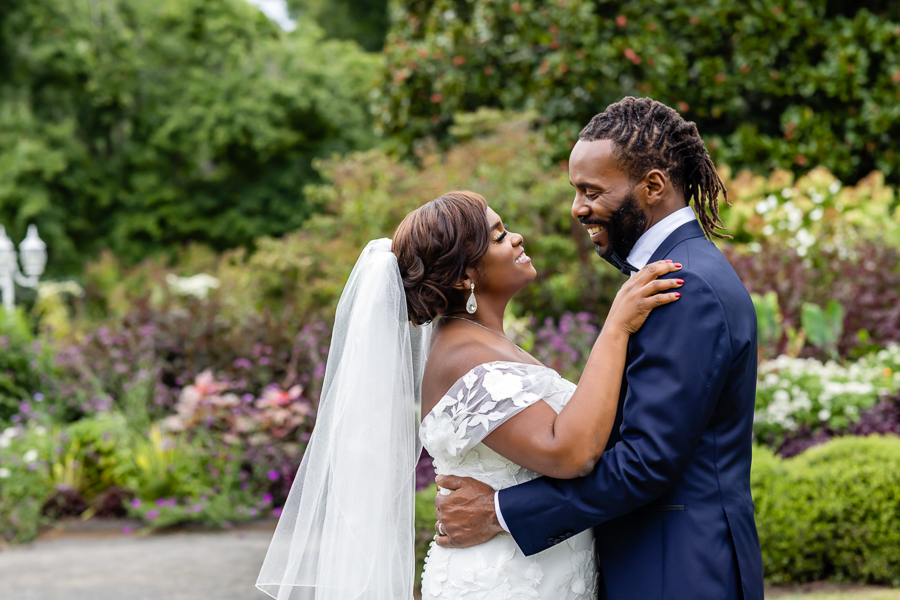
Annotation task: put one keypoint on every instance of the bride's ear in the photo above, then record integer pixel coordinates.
(465, 284)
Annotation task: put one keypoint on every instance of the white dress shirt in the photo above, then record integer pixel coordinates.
(639, 256)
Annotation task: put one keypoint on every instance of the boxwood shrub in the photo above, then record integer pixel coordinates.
(832, 512)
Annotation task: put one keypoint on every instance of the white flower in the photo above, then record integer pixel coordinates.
(440, 436)
(40, 430)
(30, 456)
(534, 573)
(582, 579)
(787, 193)
(824, 414)
(835, 187)
(502, 386)
(469, 379)
(4, 442)
(4, 473)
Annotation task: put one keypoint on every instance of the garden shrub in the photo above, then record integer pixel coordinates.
(24, 484)
(882, 418)
(796, 392)
(770, 83)
(832, 512)
(26, 368)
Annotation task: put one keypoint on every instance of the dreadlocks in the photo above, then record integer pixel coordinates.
(648, 135)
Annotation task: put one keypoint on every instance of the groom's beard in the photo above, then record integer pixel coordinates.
(623, 228)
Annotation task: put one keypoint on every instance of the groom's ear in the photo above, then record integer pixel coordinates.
(656, 186)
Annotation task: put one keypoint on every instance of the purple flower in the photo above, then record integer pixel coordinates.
(161, 502)
(172, 503)
(126, 530)
(273, 475)
(276, 512)
(267, 498)
(198, 508)
(39, 397)
(136, 503)
(152, 514)
(242, 363)
(253, 512)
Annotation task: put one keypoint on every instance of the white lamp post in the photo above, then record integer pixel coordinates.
(34, 259)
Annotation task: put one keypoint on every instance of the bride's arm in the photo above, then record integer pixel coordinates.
(568, 444)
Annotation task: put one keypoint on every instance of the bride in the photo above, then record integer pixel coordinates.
(492, 412)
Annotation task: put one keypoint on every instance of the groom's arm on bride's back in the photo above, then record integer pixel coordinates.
(679, 363)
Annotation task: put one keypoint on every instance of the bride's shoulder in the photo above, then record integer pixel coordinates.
(447, 363)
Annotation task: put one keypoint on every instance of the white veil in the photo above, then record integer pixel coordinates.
(346, 530)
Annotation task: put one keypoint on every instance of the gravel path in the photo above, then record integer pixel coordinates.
(181, 566)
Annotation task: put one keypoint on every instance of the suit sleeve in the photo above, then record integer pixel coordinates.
(679, 362)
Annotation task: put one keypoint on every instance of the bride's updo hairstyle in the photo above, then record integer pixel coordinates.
(435, 244)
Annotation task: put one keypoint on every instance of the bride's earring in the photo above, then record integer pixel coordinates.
(472, 304)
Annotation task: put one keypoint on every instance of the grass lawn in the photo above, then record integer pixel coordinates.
(829, 591)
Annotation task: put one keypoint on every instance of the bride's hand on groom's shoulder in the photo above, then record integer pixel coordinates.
(642, 293)
(465, 515)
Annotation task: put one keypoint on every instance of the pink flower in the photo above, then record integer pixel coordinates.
(152, 514)
(273, 475)
(136, 503)
(126, 530)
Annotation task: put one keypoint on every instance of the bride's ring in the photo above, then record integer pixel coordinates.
(440, 529)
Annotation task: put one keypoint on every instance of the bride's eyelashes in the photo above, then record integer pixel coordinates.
(500, 237)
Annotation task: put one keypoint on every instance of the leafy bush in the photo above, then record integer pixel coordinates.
(566, 347)
(26, 368)
(24, 486)
(864, 279)
(770, 83)
(882, 418)
(156, 123)
(793, 392)
(830, 513)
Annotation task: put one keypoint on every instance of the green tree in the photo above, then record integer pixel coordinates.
(364, 21)
(791, 83)
(137, 125)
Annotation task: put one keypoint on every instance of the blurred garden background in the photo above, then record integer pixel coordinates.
(205, 178)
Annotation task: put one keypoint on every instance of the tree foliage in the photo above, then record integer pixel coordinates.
(364, 21)
(137, 125)
(771, 83)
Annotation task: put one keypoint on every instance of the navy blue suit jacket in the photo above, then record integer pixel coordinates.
(670, 498)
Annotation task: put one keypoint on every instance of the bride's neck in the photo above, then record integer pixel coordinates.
(488, 314)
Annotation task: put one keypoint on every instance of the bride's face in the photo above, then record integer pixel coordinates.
(504, 268)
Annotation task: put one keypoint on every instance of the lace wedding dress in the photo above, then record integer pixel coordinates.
(452, 433)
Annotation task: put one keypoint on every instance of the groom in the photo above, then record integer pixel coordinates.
(669, 500)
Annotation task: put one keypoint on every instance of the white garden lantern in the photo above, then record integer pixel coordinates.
(34, 260)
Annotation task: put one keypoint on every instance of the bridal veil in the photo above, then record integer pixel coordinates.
(347, 528)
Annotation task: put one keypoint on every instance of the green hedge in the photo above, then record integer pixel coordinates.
(832, 512)
(791, 83)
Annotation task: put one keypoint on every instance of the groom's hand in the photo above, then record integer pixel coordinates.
(466, 514)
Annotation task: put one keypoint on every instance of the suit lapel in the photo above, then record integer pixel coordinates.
(687, 231)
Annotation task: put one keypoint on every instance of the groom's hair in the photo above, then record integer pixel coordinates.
(648, 135)
(434, 245)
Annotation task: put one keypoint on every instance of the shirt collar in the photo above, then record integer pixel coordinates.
(656, 235)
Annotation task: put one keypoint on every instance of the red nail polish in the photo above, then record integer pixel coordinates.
(678, 265)
(678, 295)
(680, 281)
(668, 261)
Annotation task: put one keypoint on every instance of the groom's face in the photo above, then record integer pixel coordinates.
(605, 202)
